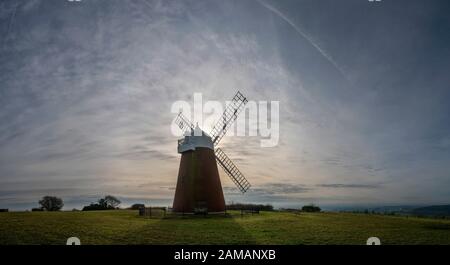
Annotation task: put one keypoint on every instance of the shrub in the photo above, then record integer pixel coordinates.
(97, 207)
(137, 206)
(311, 208)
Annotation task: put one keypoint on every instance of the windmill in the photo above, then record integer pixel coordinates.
(198, 185)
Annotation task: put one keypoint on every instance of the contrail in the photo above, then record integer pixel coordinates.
(305, 36)
(11, 21)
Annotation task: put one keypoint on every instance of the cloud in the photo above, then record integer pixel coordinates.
(351, 186)
(280, 188)
(272, 190)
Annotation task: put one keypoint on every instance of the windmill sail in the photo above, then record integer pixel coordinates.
(183, 123)
(233, 172)
(229, 116)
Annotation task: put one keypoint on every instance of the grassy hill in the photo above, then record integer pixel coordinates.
(126, 227)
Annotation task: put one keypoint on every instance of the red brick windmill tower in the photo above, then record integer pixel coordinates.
(198, 185)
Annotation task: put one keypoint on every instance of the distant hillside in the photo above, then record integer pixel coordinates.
(405, 210)
(435, 210)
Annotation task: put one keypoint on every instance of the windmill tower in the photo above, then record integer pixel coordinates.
(198, 184)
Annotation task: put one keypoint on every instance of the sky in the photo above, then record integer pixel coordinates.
(86, 90)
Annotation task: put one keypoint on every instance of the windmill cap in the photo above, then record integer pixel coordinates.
(191, 142)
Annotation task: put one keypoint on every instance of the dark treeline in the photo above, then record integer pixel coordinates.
(394, 213)
(109, 202)
(311, 208)
(249, 206)
(307, 208)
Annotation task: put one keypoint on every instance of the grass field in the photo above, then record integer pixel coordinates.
(126, 227)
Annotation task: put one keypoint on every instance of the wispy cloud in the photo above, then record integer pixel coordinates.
(303, 34)
(351, 186)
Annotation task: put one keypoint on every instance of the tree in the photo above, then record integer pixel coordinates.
(111, 201)
(51, 203)
(102, 203)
